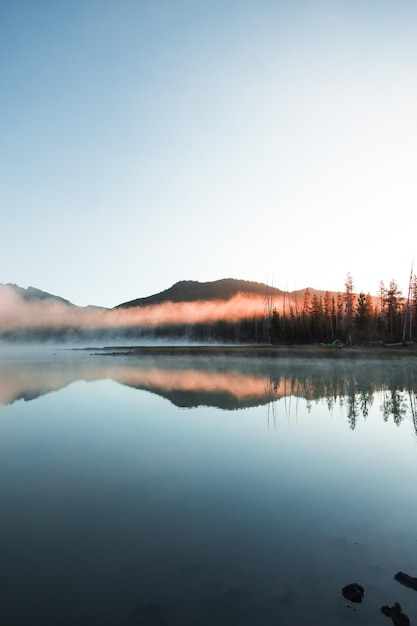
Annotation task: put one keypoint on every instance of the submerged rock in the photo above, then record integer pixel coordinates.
(353, 592)
(405, 579)
(395, 613)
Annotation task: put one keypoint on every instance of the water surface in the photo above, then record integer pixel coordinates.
(179, 491)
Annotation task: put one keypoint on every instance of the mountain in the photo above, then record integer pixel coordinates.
(182, 291)
(31, 293)
(193, 291)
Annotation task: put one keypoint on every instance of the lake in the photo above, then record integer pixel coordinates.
(180, 490)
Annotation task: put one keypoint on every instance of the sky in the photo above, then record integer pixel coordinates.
(143, 142)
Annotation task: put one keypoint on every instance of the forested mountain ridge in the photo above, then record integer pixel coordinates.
(194, 291)
(182, 291)
(226, 310)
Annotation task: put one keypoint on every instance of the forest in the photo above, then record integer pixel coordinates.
(346, 317)
(338, 318)
(349, 317)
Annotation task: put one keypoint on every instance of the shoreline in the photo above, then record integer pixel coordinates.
(265, 351)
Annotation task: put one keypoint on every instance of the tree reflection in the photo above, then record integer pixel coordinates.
(237, 383)
(366, 400)
(354, 388)
(412, 395)
(394, 403)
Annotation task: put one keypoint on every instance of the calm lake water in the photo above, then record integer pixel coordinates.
(187, 491)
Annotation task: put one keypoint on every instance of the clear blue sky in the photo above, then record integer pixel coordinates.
(150, 141)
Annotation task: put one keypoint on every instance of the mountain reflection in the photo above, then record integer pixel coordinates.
(231, 383)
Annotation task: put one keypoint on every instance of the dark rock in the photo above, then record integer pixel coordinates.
(353, 592)
(395, 613)
(406, 580)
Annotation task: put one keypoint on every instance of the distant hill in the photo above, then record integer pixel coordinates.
(31, 293)
(313, 292)
(182, 291)
(193, 291)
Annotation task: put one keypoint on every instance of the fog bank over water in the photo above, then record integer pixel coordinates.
(24, 318)
(17, 313)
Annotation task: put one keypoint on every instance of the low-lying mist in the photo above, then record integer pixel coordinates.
(24, 319)
(16, 313)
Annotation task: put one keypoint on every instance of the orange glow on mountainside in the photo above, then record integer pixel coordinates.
(16, 313)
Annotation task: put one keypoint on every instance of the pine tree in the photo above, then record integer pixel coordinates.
(413, 308)
(339, 313)
(327, 312)
(393, 306)
(363, 316)
(349, 299)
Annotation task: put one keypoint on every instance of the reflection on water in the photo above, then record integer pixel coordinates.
(119, 507)
(231, 383)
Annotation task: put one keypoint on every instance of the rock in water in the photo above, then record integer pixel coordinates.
(395, 613)
(353, 592)
(406, 580)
